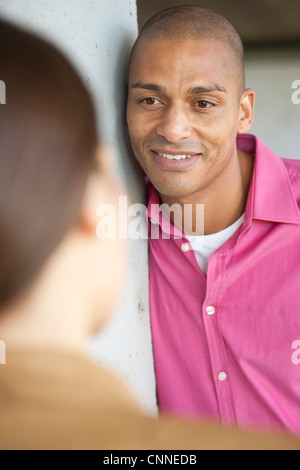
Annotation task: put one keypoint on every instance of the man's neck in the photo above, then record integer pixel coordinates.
(224, 201)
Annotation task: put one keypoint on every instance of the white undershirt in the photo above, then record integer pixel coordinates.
(204, 246)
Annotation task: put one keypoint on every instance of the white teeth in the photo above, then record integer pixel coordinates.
(180, 157)
(174, 157)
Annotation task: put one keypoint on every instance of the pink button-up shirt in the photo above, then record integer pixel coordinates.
(227, 346)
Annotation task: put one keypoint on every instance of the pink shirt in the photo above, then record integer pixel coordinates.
(227, 346)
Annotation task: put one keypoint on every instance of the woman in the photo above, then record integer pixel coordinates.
(58, 282)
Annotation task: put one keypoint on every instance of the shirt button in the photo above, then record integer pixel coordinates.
(185, 247)
(153, 222)
(222, 376)
(210, 310)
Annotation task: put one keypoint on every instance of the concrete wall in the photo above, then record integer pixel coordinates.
(271, 72)
(98, 35)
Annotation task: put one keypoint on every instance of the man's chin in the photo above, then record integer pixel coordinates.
(171, 192)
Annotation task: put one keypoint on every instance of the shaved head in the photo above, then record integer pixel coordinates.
(197, 23)
(186, 105)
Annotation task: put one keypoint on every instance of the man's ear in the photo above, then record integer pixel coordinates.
(246, 115)
(97, 190)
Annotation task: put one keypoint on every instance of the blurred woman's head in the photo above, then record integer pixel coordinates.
(51, 177)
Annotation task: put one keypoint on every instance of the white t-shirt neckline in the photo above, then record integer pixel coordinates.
(204, 246)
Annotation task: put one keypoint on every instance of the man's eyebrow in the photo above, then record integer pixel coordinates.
(192, 91)
(206, 89)
(148, 86)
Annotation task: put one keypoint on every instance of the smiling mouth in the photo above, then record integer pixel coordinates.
(175, 161)
(174, 157)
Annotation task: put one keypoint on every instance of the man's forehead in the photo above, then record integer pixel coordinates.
(172, 45)
(149, 52)
(158, 60)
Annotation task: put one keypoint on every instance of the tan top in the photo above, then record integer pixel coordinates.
(56, 400)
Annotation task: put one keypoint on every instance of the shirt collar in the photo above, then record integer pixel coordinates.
(271, 196)
(155, 215)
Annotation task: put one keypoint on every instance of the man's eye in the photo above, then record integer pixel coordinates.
(150, 101)
(204, 104)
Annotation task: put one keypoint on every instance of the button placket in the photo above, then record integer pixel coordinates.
(217, 350)
(210, 310)
(185, 247)
(222, 376)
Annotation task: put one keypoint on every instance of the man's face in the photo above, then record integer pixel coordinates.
(183, 113)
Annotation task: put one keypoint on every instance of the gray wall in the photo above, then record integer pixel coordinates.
(271, 72)
(98, 35)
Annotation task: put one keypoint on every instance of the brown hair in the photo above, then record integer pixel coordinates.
(48, 139)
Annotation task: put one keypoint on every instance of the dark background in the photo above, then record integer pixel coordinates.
(260, 22)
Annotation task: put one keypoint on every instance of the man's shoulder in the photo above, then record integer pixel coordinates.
(292, 166)
(293, 170)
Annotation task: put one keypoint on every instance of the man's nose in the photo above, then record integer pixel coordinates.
(174, 125)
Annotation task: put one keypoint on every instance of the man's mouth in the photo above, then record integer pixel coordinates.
(177, 161)
(174, 157)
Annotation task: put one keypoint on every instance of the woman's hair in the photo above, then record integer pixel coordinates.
(48, 141)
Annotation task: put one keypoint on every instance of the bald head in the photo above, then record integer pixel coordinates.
(197, 23)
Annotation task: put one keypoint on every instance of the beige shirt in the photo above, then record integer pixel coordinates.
(56, 400)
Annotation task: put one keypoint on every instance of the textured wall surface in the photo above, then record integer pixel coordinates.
(97, 36)
(271, 74)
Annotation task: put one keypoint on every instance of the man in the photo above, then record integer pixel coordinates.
(59, 283)
(224, 306)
